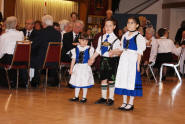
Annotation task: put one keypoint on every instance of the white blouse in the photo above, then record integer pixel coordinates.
(73, 51)
(140, 40)
(8, 41)
(111, 39)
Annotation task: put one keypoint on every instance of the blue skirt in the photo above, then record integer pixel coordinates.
(138, 91)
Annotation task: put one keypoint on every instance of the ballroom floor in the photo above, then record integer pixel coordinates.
(164, 103)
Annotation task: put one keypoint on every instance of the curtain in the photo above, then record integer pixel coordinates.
(35, 9)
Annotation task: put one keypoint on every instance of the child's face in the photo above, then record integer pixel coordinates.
(83, 42)
(109, 27)
(131, 25)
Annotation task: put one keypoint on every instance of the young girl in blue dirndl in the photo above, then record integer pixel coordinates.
(128, 79)
(81, 73)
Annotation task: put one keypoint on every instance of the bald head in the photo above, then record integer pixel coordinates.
(109, 13)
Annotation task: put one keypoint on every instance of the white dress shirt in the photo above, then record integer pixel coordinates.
(29, 32)
(164, 45)
(74, 35)
(112, 37)
(62, 34)
(8, 41)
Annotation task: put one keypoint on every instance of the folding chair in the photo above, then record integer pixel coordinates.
(64, 67)
(21, 60)
(151, 69)
(173, 65)
(52, 59)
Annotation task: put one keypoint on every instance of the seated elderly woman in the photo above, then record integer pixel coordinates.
(150, 40)
(65, 27)
(163, 50)
(7, 46)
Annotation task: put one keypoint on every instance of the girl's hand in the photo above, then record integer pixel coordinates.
(138, 67)
(90, 62)
(111, 53)
(70, 71)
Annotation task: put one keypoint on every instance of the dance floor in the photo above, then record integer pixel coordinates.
(161, 103)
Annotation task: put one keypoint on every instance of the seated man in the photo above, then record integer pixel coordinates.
(162, 50)
(70, 40)
(40, 45)
(8, 43)
(29, 31)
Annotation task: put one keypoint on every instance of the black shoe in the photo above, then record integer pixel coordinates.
(110, 102)
(101, 101)
(75, 99)
(84, 100)
(123, 106)
(129, 109)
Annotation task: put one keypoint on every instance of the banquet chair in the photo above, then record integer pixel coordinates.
(21, 60)
(52, 59)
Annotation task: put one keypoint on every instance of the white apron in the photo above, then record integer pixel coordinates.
(126, 72)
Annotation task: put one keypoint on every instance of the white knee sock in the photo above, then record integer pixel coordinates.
(84, 92)
(125, 99)
(104, 91)
(111, 90)
(77, 91)
(131, 102)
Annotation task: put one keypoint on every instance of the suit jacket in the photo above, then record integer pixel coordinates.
(67, 46)
(32, 35)
(40, 45)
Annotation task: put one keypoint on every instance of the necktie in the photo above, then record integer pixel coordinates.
(106, 40)
(76, 38)
(105, 48)
(28, 34)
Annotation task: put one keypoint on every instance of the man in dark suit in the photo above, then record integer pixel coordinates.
(40, 45)
(70, 40)
(28, 31)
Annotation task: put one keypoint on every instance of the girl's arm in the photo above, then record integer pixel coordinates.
(138, 62)
(72, 65)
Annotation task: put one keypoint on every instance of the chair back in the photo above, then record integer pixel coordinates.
(53, 55)
(21, 57)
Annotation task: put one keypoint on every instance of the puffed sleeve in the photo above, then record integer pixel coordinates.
(99, 45)
(141, 44)
(73, 52)
(117, 44)
(91, 51)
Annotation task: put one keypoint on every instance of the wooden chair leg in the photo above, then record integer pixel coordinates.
(8, 80)
(17, 83)
(46, 78)
(28, 84)
(59, 77)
